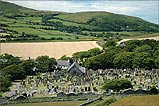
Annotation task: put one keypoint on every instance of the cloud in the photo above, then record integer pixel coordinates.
(144, 9)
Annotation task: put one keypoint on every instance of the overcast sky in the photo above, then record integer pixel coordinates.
(148, 10)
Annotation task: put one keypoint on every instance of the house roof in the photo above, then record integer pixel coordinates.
(63, 63)
(78, 66)
(1, 30)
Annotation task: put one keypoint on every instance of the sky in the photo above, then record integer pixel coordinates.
(145, 9)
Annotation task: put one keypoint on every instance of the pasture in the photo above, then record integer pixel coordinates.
(150, 100)
(52, 49)
(65, 103)
(20, 25)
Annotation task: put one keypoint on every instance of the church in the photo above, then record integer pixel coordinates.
(73, 69)
(76, 70)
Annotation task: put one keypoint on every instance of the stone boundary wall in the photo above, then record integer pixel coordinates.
(86, 103)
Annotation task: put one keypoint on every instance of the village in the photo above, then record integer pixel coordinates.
(74, 80)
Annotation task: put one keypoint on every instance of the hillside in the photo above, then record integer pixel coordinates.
(109, 21)
(6, 8)
(29, 24)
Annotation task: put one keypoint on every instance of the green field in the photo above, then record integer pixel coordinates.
(142, 36)
(81, 17)
(65, 103)
(65, 22)
(150, 100)
(20, 26)
(73, 27)
(146, 100)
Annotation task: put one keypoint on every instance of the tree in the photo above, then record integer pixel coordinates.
(77, 37)
(123, 60)
(143, 60)
(143, 48)
(110, 43)
(28, 66)
(101, 61)
(15, 72)
(5, 83)
(23, 34)
(7, 59)
(93, 63)
(117, 85)
(153, 90)
(94, 51)
(157, 62)
(80, 56)
(45, 64)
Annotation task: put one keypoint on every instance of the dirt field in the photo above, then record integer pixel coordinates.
(52, 49)
(124, 40)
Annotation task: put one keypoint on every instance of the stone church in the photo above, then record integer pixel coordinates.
(76, 70)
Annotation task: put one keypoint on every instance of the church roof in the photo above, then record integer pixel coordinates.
(82, 69)
(63, 63)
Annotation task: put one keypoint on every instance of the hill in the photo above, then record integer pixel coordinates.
(106, 21)
(29, 24)
(7, 8)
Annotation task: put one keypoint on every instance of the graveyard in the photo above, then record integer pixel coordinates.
(89, 77)
(74, 82)
(79, 53)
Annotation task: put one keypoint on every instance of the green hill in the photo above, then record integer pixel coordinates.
(110, 22)
(15, 20)
(7, 8)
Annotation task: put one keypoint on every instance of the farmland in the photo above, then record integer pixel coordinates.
(124, 40)
(67, 103)
(52, 49)
(20, 25)
(151, 100)
(35, 25)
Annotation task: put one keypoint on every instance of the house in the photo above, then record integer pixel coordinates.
(63, 64)
(121, 44)
(76, 69)
(2, 31)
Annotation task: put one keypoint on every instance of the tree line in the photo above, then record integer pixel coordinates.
(110, 23)
(131, 54)
(13, 68)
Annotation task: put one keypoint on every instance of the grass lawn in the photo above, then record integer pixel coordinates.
(150, 100)
(65, 103)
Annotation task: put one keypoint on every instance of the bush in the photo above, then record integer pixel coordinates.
(106, 102)
(153, 90)
(117, 85)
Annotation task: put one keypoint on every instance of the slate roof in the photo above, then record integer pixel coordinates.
(1, 30)
(63, 63)
(78, 66)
